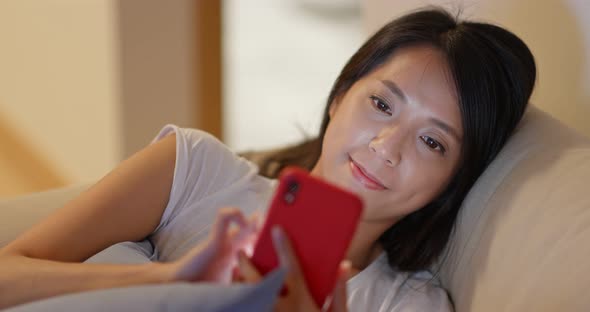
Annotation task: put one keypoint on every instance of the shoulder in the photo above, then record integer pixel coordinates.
(201, 155)
(198, 149)
(207, 175)
(379, 288)
(421, 291)
(191, 138)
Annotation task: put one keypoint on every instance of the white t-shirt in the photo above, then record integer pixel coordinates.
(209, 176)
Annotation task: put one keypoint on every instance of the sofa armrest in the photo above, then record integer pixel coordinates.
(20, 213)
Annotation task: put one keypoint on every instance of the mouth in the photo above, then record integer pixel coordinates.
(363, 177)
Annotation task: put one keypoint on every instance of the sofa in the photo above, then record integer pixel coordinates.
(522, 239)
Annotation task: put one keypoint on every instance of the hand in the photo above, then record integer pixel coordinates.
(213, 259)
(298, 297)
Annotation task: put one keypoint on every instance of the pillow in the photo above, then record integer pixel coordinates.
(206, 297)
(178, 297)
(522, 239)
(126, 253)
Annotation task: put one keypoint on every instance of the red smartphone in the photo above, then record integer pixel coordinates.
(319, 219)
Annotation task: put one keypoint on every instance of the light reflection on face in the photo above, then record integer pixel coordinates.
(395, 137)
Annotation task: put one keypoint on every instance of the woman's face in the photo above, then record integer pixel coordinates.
(395, 137)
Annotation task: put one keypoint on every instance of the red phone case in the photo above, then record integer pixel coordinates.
(319, 219)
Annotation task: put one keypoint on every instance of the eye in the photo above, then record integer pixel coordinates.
(433, 144)
(380, 105)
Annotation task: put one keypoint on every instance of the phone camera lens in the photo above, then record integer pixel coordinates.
(289, 198)
(292, 189)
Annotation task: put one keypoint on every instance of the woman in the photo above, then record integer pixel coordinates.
(414, 118)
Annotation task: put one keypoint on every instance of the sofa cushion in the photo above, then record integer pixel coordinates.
(24, 211)
(522, 239)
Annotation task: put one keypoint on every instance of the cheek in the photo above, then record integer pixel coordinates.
(348, 130)
(427, 182)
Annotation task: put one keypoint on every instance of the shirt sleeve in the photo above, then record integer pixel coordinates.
(423, 295)
(204, 166)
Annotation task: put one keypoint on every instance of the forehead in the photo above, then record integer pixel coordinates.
(422, 74)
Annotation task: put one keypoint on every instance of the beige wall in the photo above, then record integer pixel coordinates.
(156, 46)
(88, 82)
(557, 31)
(58, 81)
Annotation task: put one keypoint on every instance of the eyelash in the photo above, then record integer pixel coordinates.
(439, 147)
(381, 105)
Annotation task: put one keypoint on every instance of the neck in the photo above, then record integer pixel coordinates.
(364, 247)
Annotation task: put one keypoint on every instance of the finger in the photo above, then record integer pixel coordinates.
(225, 218)
(255, 221)
(236, 276)
(250, 233)
(288, 260)
(247, 270)
(244, 237)
(339, 297)
(244, 229)
(284, 249)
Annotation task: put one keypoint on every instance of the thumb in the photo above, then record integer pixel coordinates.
(339, 297)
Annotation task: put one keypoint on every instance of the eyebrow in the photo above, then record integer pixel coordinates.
(395, 89)
(446, 128)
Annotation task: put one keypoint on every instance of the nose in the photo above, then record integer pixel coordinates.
(387, 145)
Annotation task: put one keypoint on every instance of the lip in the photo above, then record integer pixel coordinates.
(365, 178)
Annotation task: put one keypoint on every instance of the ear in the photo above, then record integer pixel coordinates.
(332, 108)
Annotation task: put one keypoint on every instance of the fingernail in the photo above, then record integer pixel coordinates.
(277, 235)
(241, 255)
(346, 264)
(236, 275)
(345, 270)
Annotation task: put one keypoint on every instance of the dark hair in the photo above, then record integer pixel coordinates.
(494, 74)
